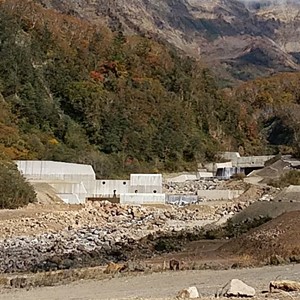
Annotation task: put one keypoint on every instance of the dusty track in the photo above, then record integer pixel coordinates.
(157, 286)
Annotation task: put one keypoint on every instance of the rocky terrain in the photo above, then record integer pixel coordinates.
(98, 233)
(246, 38)
(54, 237)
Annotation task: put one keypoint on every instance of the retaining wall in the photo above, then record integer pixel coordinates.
(219, 194)
(142, 199)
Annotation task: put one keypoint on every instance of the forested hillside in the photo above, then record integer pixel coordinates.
(73, 91)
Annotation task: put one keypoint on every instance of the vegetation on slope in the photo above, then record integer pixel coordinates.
(15, 192)
(287, 179)
(77, 92)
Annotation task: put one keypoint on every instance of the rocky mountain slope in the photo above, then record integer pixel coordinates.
(248, 38)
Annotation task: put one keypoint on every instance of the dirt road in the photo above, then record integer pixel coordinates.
(156, 286)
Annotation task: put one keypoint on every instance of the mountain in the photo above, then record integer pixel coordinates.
(71, 89)
(245, 38)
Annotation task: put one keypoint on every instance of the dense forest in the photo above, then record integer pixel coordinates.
(77, 92)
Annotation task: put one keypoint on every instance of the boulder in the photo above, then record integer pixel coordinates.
(237, 288)
(284, 285)
(189, 293)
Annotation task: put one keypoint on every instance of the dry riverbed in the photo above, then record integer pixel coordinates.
(161, 285)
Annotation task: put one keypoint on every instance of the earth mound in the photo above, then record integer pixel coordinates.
(271, 243)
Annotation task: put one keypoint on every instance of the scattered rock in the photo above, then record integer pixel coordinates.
(174, 265)
(189, 293)
(236, 288)
(284, 285)
(19, 282)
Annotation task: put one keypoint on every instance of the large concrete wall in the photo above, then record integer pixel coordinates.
(106, 188)
(73, 183)
(219, 194)
(246, 161)
(145, 183)
(52, 170)
(142, 199)
(251, 161)
(181, 199)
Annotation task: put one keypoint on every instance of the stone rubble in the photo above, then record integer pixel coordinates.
(190, 187)
(102, 231)
(98, 232)
(95, 234)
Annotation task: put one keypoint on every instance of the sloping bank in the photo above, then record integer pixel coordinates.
(110, 232)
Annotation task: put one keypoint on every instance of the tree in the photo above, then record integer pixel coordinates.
(15, 192)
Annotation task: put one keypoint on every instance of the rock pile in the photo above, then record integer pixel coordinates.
(231, 208)
(190, 187)
(95, 234)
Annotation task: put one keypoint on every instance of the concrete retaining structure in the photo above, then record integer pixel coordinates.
(182, 178)
(70, 192)
(246, 161)
(111, 188)
(181, 199)
(52, 170)
(145, 183)
(219, 194)
(142, 199)
(73, 183)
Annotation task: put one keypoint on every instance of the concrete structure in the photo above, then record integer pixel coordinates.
(236, 164)
(205, 175)
(111, 188)
(181, 199)
(146, 183)
(219, 194)
(142, 198)
(70, 192)
(182, 178)
(246, 161)
(293, 162)
(73, 183)
(52, 170)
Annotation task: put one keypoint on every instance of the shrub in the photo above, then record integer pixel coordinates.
(236, 229)
(15, 192)
(287, 179)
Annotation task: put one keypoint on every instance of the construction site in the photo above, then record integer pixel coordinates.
(225, 216)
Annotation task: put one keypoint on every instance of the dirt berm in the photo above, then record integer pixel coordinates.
(271, 243)
(265, 209)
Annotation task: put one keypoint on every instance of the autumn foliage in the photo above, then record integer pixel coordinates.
(78, 92)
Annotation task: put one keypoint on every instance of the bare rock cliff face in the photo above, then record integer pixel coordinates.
(248, 38)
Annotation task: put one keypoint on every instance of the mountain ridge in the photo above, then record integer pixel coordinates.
(218, 32)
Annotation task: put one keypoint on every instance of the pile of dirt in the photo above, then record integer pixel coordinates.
(273, 171)
(273, 243)
(45, 193)
(265, 209)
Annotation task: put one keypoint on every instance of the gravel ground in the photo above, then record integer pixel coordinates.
(160, 285)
